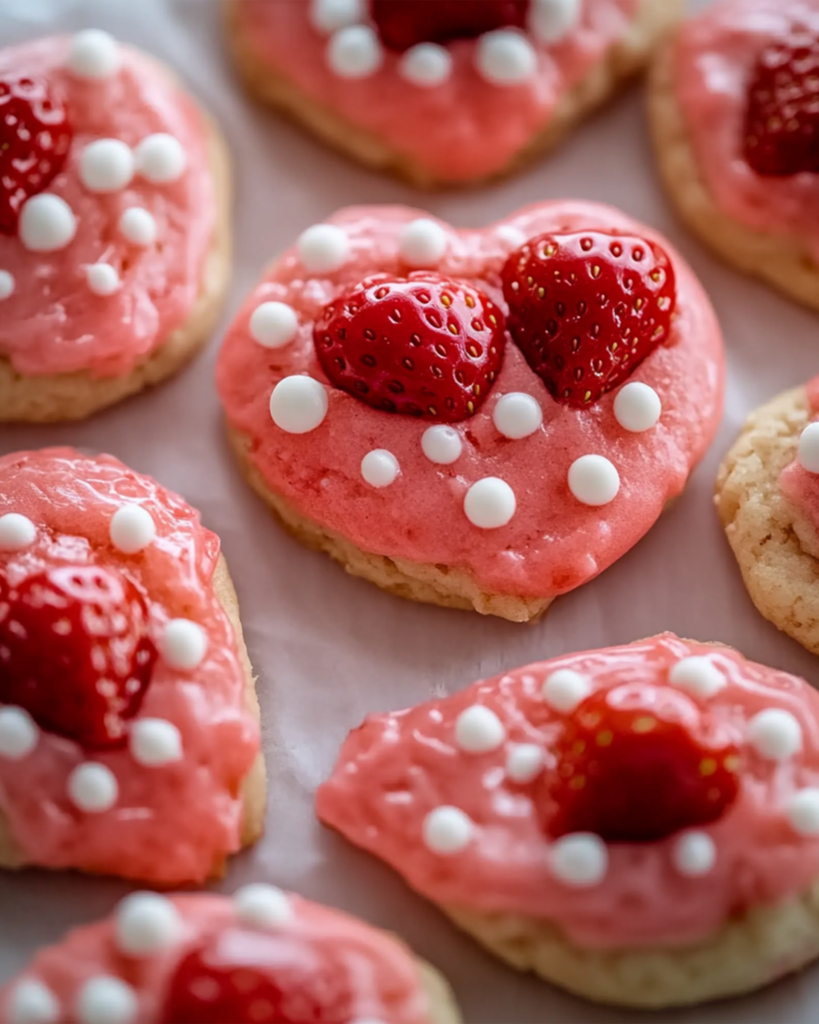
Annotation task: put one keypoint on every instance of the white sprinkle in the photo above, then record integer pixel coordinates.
(694, 854)
(505, 57)
(107, 1000)
(132, 529)
(698, 676)
(479, 730)
(106, 165)
(517, 415)
(16, 532)
(183, 644)
(160, 159)
(803, 812)
(47, 223)
(355, 52)
(94, 54)
(637, 407)
(580, 859)
(809, 448)
(6, 285)
(32, 1002)
(426, 65)
(263, 906)
(18, 733)
(441, 444)
(380, 468)
(550, 21)
(155, 742)
(328, 16)
(422, 243)
(775, 734)
(146, 923)
(138, 226)
(511, 236)
(447, 830)
(298, 404)
(524, 762)
(489, 503)
(93, 788)
(323, 248)
(102, 278)
(593, 480)
(564, 689)
(273, 324)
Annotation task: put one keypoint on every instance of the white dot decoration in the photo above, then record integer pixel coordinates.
(426, 65)
(355, 52)
(18, 733)
(447, 830)
(6, 285)
(505, 57)
(155, 742)
(93, 54)
(524, 762)
(808, 454)
(802, 811)
(17, 532)
(694, 854)
(580, 860)
(479, 730)
(552, 20)
(160, 159)
(107, 1000)
(146, 923)
(490, 503)
(564, 689)
(273, 324)
(106, 165)
(637, 407)
(422, 243)
(698, 676)
(183, 644)
(593, 480)
(263, 906)
(441, 444)
(102, 279)
(380, 468)
(132, 529)
(93, 788)
(138, 226)
(775, 734)
(517, 415)
(47, 223)
(298, 404)
(323, 248)
(32, 1002)
(330, 15)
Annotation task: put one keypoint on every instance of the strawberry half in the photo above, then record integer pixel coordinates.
(35, 137)
(637, 763)
(74, 652)
(423, 345)
(586, 308)
(404, 23)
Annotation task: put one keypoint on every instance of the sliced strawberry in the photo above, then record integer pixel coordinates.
(781, 135)
(35, 137)
(241, 976)
(586, 308)
(638, 763)
(404, 23)
(75, 652)
(424, 345)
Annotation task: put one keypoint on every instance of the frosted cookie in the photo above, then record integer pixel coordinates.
(260, 957)
(480, 419)
(445, 93)
(129, 738)
(114, 226)
(736, 129)
(639, 825)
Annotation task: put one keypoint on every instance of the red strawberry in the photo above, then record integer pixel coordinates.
(638, 763)
(403, 23)
(782, 112)
(423, 345)
(74, 652)
(250, 977)
(587, 308)
(35, 137)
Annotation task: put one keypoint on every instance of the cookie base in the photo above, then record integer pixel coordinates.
(442, 1006)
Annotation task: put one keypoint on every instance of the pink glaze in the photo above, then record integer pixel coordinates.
(553, 543)
(715, 56)
(397, 767)
(171, 824)
(53, 323)
(462, 129)
(798, 485)
(382, 976)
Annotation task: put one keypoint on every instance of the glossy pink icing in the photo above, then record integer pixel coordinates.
(553, 543)
(171, 824)
(382, 976)
(53, 323)
(464, 128)
(397, 767)
(715, 56)
(798, 485)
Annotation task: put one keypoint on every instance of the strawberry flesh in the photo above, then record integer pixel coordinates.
(405, 23)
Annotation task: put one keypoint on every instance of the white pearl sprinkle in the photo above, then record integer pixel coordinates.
(263, 906)
(694, 854)
(524, 762)
(18, 733)
(517, 415)
(298, 404)
(32, 1002)
(490, 503)
(775, 734)
(106, 165)
(447, 830)
(809, 448)
(93, 788)
(580, 859)
(183, 644)
(505, 57)
(273, 324)
(550, 21)
(479, 730)
(146, 923)
(511, 236)
(698, 676)
(132, 529)
(379, 468)
(422, 243)
(94, 54)
(637, 407)
(160, 159)
(330, 15)
(355, 52)
(426, 65)
(593, 480)
(16, 532)
(47, 223)
(441, 444)
(6, 285)
(138, 226)
(323, 248)
(803, 812)
(102, 279)
(564, 689)
(107, 1000)
(154, 742)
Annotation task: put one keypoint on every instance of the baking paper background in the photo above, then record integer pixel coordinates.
(328, 648)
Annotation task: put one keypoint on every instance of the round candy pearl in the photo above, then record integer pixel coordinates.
(183, 644)
(698, 676)
(803, 812)
(298, 404)
(146, 923)
(479, 730)
(552, 20)
(94, 54)
(564, 689)
(263, 906)
(809, 448)
(426, 65)
(489, 503)
(505, 57)
(160, 158)
(580, 860)
(47, 223)
(694, 854)
(32, 1002)
(637, 407)
(16, 532)
(593, 480)
(323, 248)
(422, 243)
(524, 762)
(441, 444)
(107, 1000)
(273, 324)
(155, 742)
(355, 52)
(93, 788)
(18, 733)
(517, 415)
(447, 830)
(106, 165)
(379, 468)
(132, 529)
(330, 15)
(6, 285)
(102, 278)
(775, 734)
(138, 226)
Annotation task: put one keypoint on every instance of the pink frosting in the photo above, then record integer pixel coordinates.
(171, 824)
(553, 543)
(397, 767)
(53, 323)
(799, 485)
(464, 128)
(381, 975)
(715, 56)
